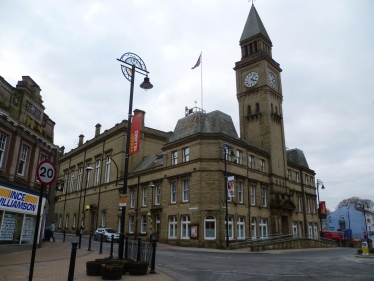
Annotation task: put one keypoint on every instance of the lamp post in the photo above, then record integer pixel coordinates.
(349, 219)
(137, 65)
(226, 151)
(319, 182)
(115, 164)
(152, 186)
(88, 169)
(363, 205)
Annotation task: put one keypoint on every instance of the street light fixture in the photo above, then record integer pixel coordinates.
(137, 65)
(88, 169)
(319, 182)
(349, 219)
(226, 151)
(363, 205)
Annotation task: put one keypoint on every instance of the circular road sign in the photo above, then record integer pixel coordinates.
(46, 172)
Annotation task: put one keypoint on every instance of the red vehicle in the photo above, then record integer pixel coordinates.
(335, 235)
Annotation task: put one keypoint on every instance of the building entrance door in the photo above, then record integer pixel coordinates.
(285, 225)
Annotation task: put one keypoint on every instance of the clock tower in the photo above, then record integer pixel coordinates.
(259, 93)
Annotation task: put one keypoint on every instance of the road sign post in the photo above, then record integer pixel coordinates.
(46, 174)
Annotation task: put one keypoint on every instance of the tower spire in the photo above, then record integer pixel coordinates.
(254, 26)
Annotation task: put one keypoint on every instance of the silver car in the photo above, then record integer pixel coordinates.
(107, 234)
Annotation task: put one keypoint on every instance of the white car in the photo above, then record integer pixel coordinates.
(107, 234)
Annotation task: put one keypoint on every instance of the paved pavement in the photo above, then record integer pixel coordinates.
(52, 262)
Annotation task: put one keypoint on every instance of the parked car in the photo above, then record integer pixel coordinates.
(107, 234)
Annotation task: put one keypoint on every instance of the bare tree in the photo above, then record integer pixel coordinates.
(357, 201)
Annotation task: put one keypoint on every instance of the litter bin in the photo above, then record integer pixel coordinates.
(152, 239)
(48, 234)
(370, 243)
(365, 250)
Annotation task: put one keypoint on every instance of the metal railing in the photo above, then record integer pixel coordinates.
(139, 250)
(253, 241)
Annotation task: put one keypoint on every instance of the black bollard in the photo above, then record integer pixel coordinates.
(126, 246)
(111, 247)
(72, 260)
(138, 255)
(153, 262)
(80, 239)
(63, 233)
(101, 244)
(89, 242)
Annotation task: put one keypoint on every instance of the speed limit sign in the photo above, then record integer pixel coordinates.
(46, 172)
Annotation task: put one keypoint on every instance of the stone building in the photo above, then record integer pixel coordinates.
(177, 183)
(26, 139)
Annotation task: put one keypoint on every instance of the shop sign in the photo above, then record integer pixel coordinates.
(18, 201)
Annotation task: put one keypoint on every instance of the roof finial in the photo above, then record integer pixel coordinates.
(252, 1)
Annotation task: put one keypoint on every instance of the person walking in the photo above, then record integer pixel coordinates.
(52, 228)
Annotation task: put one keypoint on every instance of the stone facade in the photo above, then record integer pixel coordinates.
(26, 139)
(177, 182)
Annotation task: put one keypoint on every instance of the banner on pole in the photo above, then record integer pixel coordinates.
(135, 133)
(230, 187)
(322, 207)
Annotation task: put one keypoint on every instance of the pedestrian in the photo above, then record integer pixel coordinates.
(52, 228)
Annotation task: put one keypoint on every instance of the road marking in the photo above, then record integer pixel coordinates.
(351, 260)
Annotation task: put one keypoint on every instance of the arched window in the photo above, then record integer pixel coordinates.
(249, 111)
(276, 110)
(271, 108)
(210, 227)
(257, 108)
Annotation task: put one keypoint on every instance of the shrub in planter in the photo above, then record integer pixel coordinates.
(138, 268)
(111, 271)
(93, 268)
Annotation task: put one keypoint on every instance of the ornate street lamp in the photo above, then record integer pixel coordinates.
(226, 152)
(88, 169)
(319, 182)
(136, 64)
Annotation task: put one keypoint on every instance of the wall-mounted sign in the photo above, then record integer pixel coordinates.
(18, 201)
(122, 200)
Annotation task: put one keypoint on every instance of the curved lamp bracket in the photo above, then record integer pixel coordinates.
(131, 59)
(225, 147)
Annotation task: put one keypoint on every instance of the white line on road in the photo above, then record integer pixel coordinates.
(351, 260)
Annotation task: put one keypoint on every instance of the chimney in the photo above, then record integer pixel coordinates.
(136, 111)
(97, 131)
(62, 150)
(80, 140)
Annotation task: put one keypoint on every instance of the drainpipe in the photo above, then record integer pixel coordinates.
(304, 202)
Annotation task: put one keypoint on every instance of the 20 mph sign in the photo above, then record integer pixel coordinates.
(46, 172)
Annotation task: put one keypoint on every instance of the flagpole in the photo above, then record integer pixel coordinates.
(202, 105)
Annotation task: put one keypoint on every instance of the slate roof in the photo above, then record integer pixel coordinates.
(254, 26)
(148, 163)
(297, 157)
(199, 122)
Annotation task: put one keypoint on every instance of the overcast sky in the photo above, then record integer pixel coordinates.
(325, 48)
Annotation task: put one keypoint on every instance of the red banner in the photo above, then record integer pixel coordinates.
(322, 207)
(135, 133)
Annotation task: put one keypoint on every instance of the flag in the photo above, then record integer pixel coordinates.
(197, 63)
(135, 134)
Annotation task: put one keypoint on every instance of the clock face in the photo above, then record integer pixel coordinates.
(272, 79)
(251, 79)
